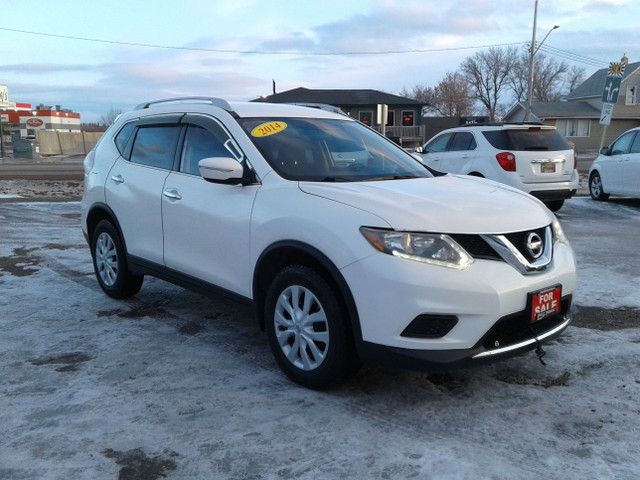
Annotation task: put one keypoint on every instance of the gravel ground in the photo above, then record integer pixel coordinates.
(41, 190)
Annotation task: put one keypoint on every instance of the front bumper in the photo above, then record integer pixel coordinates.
(446, 360)
(481, 312)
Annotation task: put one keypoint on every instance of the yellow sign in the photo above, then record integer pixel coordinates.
(269, 128)
(616, 69)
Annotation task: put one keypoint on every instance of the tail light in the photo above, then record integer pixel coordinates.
(88, 162)
(507, 161)
(575, 160)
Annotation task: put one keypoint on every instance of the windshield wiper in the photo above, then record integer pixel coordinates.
(337, 179)
(391, 177)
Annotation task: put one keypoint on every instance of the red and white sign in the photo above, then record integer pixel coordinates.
(35, 122)
(546, 303)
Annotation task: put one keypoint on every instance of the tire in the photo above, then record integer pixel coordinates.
(307, 330)
(595, 187)
(554, 205)
(110, 262)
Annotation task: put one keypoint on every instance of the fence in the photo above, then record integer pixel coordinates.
(66, 143)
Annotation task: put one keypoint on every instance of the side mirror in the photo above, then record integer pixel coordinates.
(419, 149)
(225, 170)
(605, 151)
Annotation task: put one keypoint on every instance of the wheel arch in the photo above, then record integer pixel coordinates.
(285, 253)
(97, 213)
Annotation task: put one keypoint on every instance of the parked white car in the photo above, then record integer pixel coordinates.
(616, 171)
(531, 157)
(348, 247)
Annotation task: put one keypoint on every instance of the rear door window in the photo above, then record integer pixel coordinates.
(155, 145)
(462, 141)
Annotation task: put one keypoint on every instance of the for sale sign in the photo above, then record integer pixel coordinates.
(545, 303)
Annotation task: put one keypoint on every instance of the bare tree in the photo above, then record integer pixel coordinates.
(419, 93)
(548, 79)
(552, 80)
(487, 72)
(109, 117)
(573, 78)
(452, 97)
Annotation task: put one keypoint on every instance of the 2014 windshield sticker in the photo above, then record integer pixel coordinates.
(269, 128)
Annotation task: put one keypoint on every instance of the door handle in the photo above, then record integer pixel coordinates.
(117, 178)
(172, 194)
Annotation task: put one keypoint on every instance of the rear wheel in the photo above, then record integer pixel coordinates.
(110, 262)
(307, 329)
(595, 187)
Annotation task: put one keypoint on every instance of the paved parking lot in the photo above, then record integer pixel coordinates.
(172, 384)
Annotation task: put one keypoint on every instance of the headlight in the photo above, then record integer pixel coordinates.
(433, 248)
(558, 233)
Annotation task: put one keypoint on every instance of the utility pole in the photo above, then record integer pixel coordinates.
(532, 52)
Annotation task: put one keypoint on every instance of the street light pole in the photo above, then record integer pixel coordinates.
(532, 52)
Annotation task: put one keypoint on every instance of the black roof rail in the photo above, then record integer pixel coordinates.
(217, 102)
(498, 124)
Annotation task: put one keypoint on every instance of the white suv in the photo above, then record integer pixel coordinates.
(531, 157)
(348, 247)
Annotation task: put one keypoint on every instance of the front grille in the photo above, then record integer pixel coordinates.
(476, 246)
(512, 248)
(518, 328)
(519, 241)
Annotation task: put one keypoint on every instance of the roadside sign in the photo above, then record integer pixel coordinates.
(611, 89)
(4, 96)
(606, 114)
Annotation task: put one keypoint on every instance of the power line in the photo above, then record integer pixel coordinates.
(544, 47)
(574, 57)
(253, 52)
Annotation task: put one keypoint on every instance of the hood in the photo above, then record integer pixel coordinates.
(447, 204)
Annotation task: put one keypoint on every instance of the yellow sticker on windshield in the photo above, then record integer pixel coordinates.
(268, 128)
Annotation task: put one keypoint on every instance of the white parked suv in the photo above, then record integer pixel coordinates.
(348, 247)
(531, 157)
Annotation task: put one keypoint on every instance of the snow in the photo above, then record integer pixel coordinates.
(171, 383)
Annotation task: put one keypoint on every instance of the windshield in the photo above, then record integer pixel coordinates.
(328, 150)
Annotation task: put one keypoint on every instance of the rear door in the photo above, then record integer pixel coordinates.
(134, 185)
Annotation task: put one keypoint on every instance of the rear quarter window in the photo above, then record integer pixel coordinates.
(526, 140)
(122, 137)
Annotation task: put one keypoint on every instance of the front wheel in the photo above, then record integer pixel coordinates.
(307, 330)
(110, 262)
(595, 187)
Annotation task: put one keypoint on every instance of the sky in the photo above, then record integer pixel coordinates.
(93, 56)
